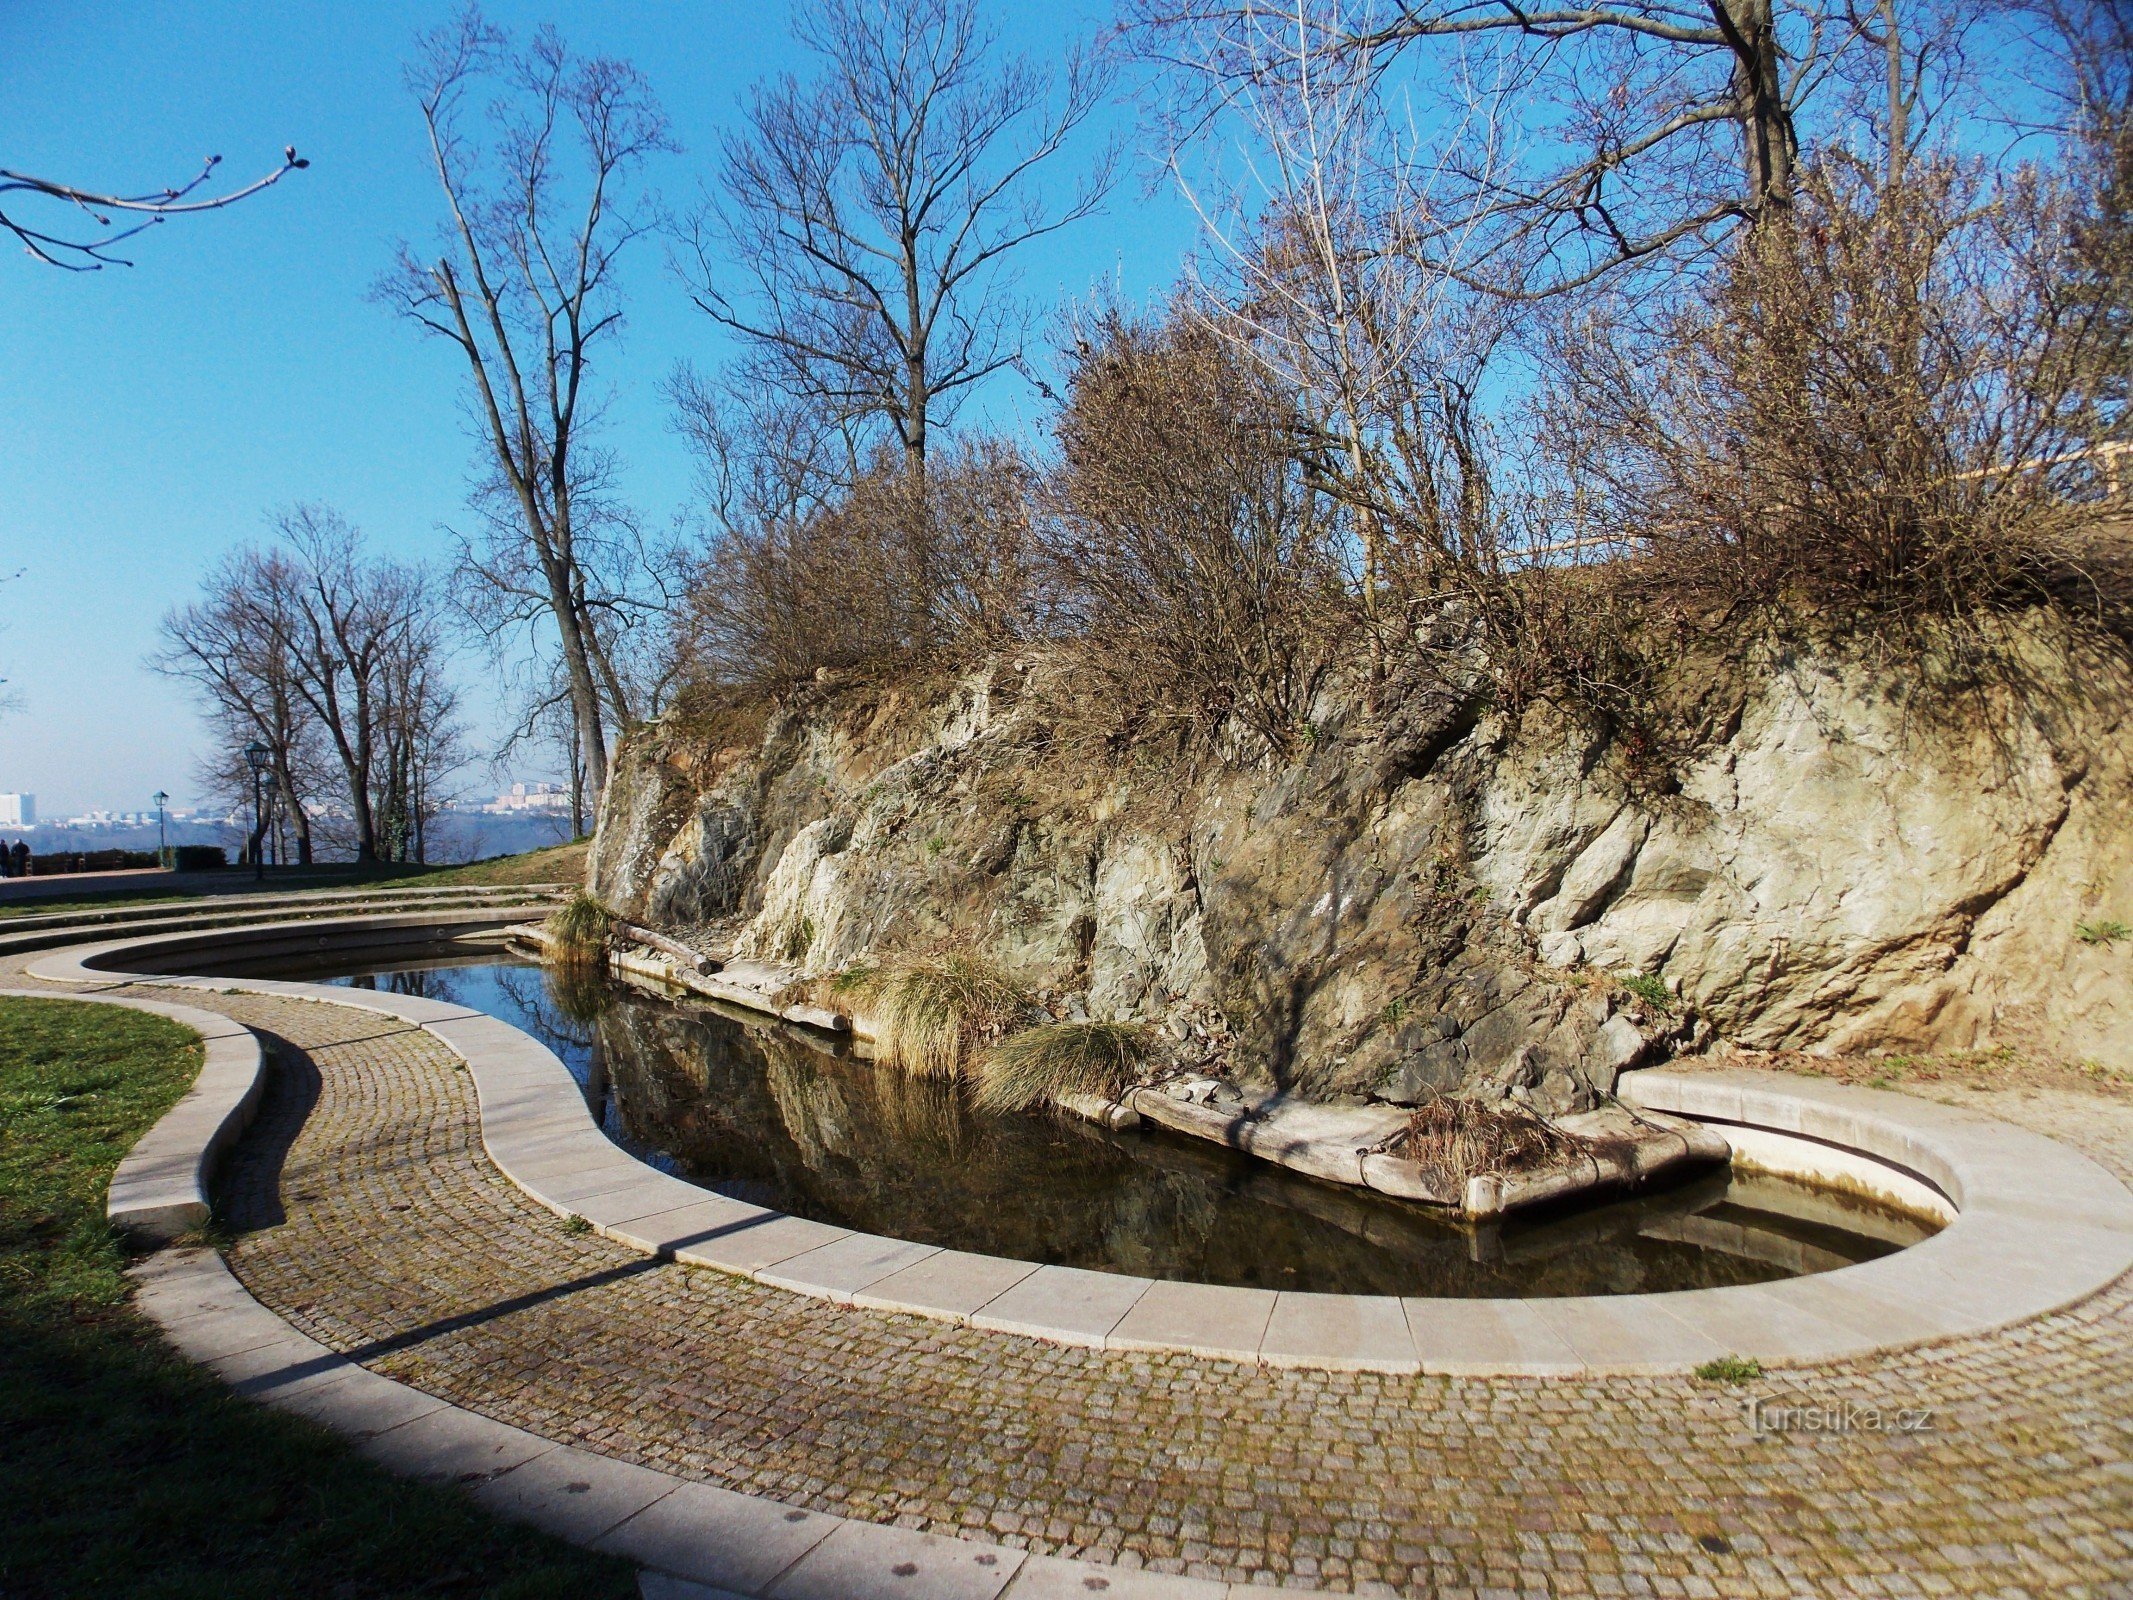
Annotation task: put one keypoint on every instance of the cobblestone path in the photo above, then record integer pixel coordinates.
(365, 1212)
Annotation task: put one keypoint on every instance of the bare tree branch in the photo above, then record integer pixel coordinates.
(92, 253)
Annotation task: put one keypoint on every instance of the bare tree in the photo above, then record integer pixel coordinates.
(331, 659)
(863, 222)
(1653, 127)
(421, 739)
(1330, 272)
(525, 286)
(545, 724)
(104, 221)
(233, 650)
(2088, 46)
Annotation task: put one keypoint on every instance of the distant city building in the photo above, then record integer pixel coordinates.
(18, 811)
(532, 797)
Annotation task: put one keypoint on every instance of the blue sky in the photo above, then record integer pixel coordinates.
(152, 417)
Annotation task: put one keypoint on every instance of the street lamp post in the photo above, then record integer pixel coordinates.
(255, 756)
(162, 834)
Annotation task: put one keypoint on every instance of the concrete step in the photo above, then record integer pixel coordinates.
(241, 901)
(46, 932)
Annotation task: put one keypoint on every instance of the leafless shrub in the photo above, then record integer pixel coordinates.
(1865, 416)
(841, 584)
(1200, 574)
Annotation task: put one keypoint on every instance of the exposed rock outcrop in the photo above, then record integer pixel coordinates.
(1437, 895)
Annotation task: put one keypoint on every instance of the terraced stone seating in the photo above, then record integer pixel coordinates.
(47, 930)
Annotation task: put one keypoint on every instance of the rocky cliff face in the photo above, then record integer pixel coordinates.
(1439, 895)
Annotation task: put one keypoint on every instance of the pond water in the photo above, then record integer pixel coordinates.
(770, 1114)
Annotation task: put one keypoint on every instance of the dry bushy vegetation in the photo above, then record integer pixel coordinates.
(1458, 1139)
(1864, 415)
(1199, 575)
(579, 931)
(863, 579)
(1846, 379)
(933, 1015)
(1040, 1064)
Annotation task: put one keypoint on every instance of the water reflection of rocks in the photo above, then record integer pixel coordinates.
(760, 1114)
(764, 1113)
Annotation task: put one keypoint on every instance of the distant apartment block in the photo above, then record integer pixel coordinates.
(532, 797)
(18, 811)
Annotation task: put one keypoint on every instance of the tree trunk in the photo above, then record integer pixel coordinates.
(918, 398)
(1768, 146)
(577, 792)
(584, 690)
(299, 819)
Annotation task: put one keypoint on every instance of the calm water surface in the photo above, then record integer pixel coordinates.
(766, 1113)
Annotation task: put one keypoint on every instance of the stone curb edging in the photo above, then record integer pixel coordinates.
(2040, 1227)
(717, 1541)
(159, 1190)
(732, 1543)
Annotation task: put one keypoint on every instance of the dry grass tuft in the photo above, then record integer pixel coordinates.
(1056, 1058)
(579, 930)
(932, 1014)
(1459, 1139)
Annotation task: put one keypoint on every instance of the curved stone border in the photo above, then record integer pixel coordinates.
(698, 1532)
(675, 1527)
(2039, 1227)
(159, 1191)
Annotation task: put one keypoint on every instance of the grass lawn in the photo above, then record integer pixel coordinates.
(556, 863)
(123, 1469)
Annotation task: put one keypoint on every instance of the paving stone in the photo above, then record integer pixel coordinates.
(665, 1586)
(217, 1334)
(715, 1536)
(289, 1363)
(862, 1562)
(1050, 1578)
(840, 1269)
(357, 1403)
(365, 1211)
(1207, 1319)
(451, 1446)
(951, 1283)
(1363, 1333)
(1488, 1336)
(701, 1227)
(573, 1493)
(1626, 1333)
(761, 1239)
(1064, 1303)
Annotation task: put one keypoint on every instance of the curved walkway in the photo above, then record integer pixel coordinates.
(368, 1215)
